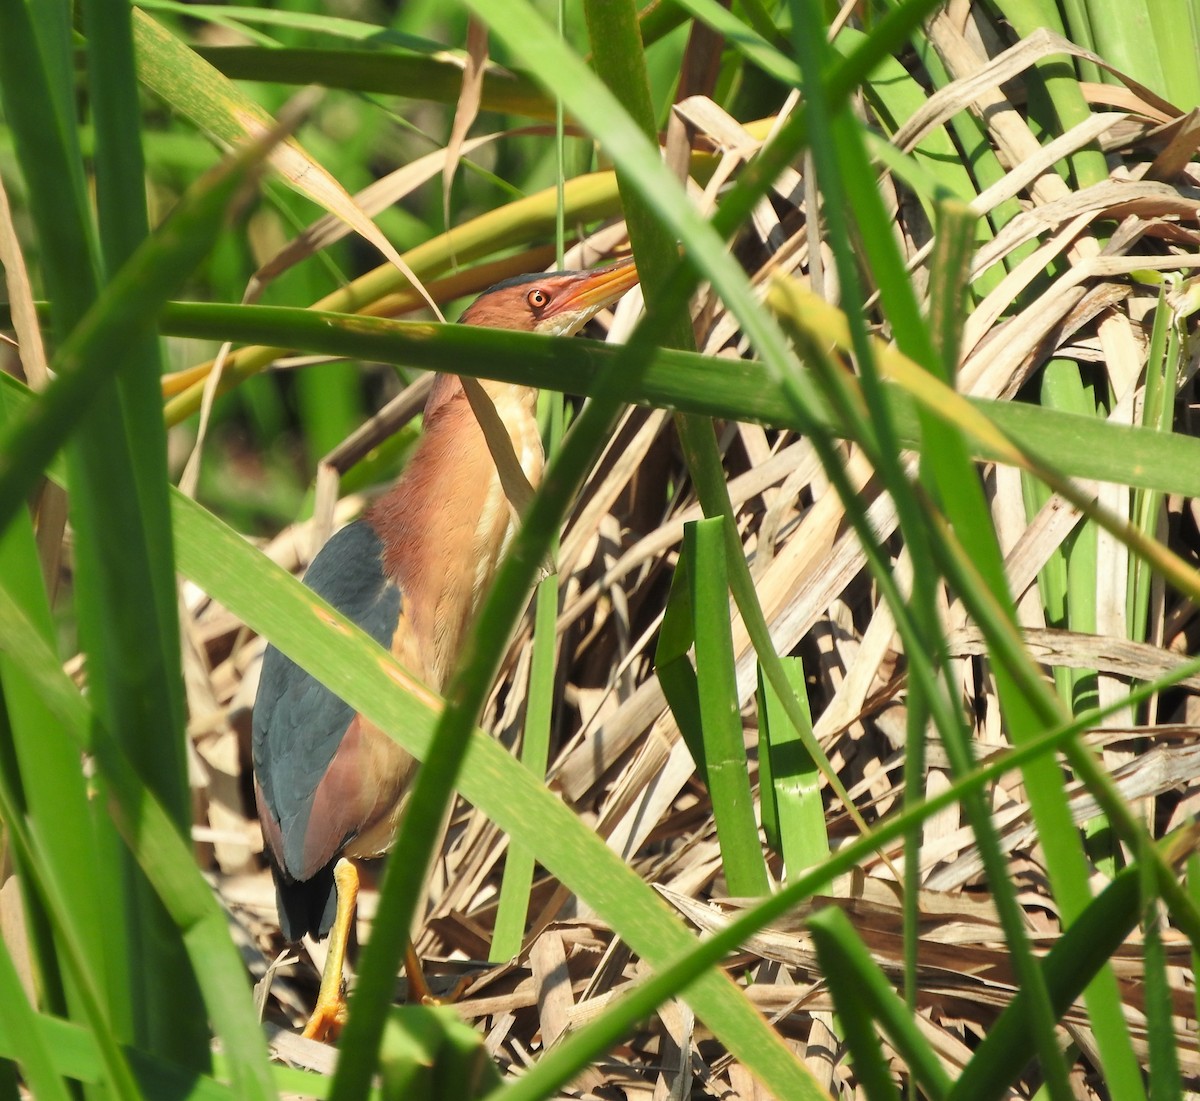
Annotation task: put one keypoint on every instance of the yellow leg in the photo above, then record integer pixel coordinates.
(418, 988)
(329, 1015)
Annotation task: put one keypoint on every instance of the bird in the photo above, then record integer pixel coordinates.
(330, 786)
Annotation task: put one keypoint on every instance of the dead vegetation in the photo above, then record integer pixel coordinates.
(617, 758)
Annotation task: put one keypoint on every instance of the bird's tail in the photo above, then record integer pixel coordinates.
(305, 906)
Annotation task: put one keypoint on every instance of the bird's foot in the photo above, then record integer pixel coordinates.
(455, 995)
(327, 1020)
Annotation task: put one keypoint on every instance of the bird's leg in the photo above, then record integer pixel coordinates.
(329, 1014)
(418, 988)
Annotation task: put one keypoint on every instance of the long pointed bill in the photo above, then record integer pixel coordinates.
(587, 294)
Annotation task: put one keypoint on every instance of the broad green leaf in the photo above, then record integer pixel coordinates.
(738, 389)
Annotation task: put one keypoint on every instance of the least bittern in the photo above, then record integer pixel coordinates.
(411, 572)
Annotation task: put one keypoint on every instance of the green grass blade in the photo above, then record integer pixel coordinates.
(380, 71)
(128, 307)
(117, 626)
(673, 664)
(1063, 388)
(42, 877)
(738, 389)
(36, 88)
(856, 981)
(43, 766)
(1056, 100)
(721, 721)
(1076, 957)
(513, 906)
(125, 592)
(36, 81)
(1162, 373)
(1176, 27)
(45, 776)
(72, 1054)
(161, 852)
(620, 64)
(515, 887)
(27, 1044)
(454, 1060)
(562, 1062)
(789, 779)
(1166, 1078)
(967, 510)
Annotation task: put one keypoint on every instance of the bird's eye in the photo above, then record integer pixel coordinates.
(538, 298)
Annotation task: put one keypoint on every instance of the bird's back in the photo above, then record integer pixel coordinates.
(300, 726)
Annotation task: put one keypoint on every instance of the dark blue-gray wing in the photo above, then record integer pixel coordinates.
(298, 722)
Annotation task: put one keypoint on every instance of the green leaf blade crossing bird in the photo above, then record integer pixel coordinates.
(330, 785)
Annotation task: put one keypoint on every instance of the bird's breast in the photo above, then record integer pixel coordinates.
(448, 521)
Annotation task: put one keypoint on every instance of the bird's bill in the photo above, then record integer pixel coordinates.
(593, 290)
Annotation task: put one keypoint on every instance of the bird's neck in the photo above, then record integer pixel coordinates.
(446, 521)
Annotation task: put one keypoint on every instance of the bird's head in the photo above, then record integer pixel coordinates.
(558, 303)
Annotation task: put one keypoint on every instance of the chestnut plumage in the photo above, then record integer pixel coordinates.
(411, 573)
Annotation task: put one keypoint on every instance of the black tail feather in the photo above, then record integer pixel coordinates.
(305, 906)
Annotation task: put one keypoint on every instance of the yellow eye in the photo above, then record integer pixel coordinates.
(538, 298)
